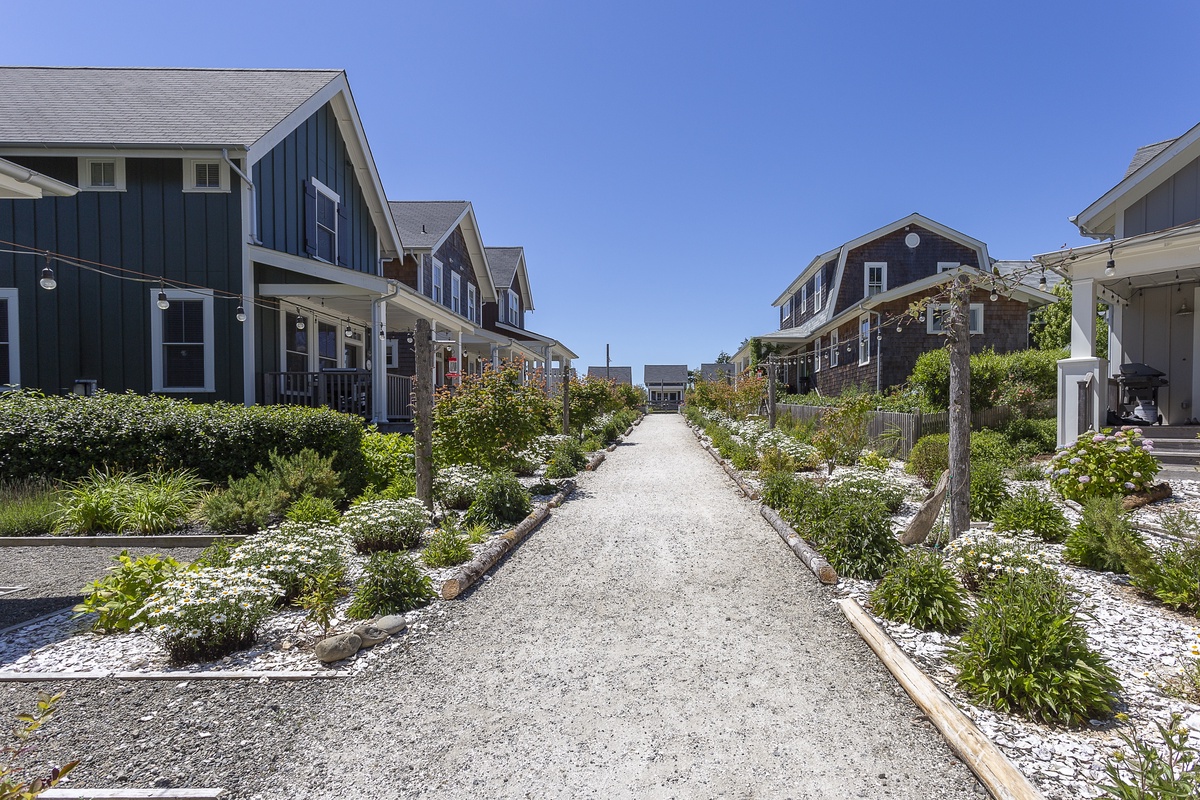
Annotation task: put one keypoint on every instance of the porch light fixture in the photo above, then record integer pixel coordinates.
(1183, 310)
(1110, 268)
(163, 302)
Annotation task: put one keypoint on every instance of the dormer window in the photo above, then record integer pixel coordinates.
(514, 308)
(205, 175)
(437, 281)
(102, 174)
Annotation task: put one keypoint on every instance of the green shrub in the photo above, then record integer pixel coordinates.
(500, 500)
(446, 548)
(386, 524)
(69, 435)
(774, 461)
(991, 446)
(313, 510)
(778, 488)
(1170, 574)
(387, 456)
(987, 489)
(455, 486)
(592, 443)
(1032, 436)
(391, 584)
(843, 434)
(929, 457)
(217, 554)
(322, 591)
(979, 558)
(291, 554)
(1026, 652)
(155, 502)
(871, 486)
(116, 598)
(1146, 773)
(874, 460)
(566, 460)
(853, 531)
(1017, 378)
(744, 458)
(27, 507)
(1101, 536)
(918, 590)
(1104, 464)
(1028, 512)
(258, 499)
(1030, 471)
(488, 419)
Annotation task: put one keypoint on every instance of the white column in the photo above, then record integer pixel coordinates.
(1194, 412)
(379, 386)
(461, 366)
(1116, 333)
(1083, 318)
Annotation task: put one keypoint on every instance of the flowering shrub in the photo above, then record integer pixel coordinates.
(455, 486)
(210, 613)
(867, 484)
(386, 524)
(979, 557)
(1104, 464)
(291, 554)
(755, 434)
(500, 501)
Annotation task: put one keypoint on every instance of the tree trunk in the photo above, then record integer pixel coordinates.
(958, 333)
(423, 433)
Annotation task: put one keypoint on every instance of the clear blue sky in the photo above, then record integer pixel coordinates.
(670, 166)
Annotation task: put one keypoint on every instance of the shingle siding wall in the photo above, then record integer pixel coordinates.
(904, 264)
(455, 259)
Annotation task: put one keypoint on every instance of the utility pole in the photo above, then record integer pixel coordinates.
(423, 433)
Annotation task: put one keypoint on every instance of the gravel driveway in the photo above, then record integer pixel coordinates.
(654, 638)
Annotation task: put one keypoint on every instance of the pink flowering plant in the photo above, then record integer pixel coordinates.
(1106, 464)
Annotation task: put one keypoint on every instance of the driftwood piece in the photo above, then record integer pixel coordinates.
(490, 554)
(812, 559)
(595, 462)
(998, 775)
(1152, 495)
(921, 524)
(613, 446)
(629, 430)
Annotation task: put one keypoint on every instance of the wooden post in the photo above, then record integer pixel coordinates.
(771, 392)
(566, 393)
(423, 433)
(959, 332)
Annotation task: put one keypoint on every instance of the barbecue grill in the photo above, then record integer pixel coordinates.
(1140, 384)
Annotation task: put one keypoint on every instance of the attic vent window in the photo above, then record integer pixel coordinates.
(102, 174)
(208, 175)
(205, 175)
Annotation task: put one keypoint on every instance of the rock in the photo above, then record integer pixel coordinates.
(922, 523)
(335, 648)
(391, 624)
(370, 635)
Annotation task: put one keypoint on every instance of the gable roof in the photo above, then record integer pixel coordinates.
(1144, 153)
(666, 374)
(622, 375)
(508, 264)
(150, 107)
(426, 224)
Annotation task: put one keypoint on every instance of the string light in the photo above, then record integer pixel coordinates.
(1042, 282)
(1110, 268)
(163, 302)
(299, 319)
(241, 312)
(48, 281)
(349, 330)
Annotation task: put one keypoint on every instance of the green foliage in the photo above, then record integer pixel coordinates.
(1026, 652)
(778, 488)
(987, 489)
(386, 524)
(1032, 436)
(900, 399)
(874, 460)
(322, 590)
(27, 507)
(500, 501)
(217, 554)
(1029, 471)
(852, 530)
(1170, 574)
(1102, 537)
(1146, 773)
(1019, 378)
(930, 455)
(1105, 464)
(391, 584)
(455, 487)
(446, 547)
(918, 590)
(566, 460)
(991, 446)
(980, 558)
(386, 457)
(291, 554)
(735, 400)
(119, 595)
(153, 502)
(1029, 512)
(256, 500)
(312, 509)
(490, 419)
(871, 487)
(842, 434)
(1050, 326)
(744, 458)
(67, 436)
(12, 785)
(591, 398)
(478, 534)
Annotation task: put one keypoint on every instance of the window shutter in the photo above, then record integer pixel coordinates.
(310, 218)
(343, 236)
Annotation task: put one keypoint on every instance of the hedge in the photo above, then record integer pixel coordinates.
(62, 437)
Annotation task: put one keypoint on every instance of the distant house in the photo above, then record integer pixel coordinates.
(666, 383)
(720, 371)
(622, 376)
(838, 318)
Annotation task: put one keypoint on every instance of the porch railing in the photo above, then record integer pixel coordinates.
(400, 397)
(348, 391)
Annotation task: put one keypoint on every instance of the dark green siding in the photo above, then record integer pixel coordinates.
(314, 150)
(96, 326)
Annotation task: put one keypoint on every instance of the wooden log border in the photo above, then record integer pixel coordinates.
(993, 769)
(824, 571)
(467, 575)
(743, 485)
(596, 461)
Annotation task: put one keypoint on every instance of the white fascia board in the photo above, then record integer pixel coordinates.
(105, 150)
(313, 290)
(1133, 187)
(319, 269)
(924, 222)
(803, 276)
(523, 279)
(478, 252)
(1161, 252)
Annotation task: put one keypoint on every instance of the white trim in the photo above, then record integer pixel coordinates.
(472, 302)
(189, 176)
(205, 296)
(437, 279)
(942, 266)
(804, 298)
(864, 340)
(817, 358)
(818, 291)
(456, 293)
(14, 337)
(85, 174)
(141, 151)
(883, 284)
(322, 189)
(834, 344)
(934, 313)
(337, 198)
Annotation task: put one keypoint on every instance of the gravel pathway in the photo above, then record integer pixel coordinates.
(654, 638)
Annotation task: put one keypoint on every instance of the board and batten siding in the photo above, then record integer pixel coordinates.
(98, 327)
(1176, 201)
(315, 149)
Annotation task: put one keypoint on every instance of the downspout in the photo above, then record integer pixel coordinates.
(253, 196)
(379, 385)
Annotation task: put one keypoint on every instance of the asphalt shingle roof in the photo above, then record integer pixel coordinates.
(717, 371)
(503, 261)
(622, 375)
(666, 374)
(149, 106)
(1145, 153)
(1028, 273)
(422, 223)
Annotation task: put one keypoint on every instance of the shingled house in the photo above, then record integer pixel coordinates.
(666, 384)
(622, 376)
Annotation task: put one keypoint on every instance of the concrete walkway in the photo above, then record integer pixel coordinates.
(654, 638)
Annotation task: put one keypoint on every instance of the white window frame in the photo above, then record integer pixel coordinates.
(189, 176)
(804, 297)
(85, 175)
(834, 344)
(471, 303)
(14, 337)
(514, 308)
(864, 340)
(942, 266)
(436, 279)
(421, 277)
(933, 313)
(337, 202)
(455, 293)
(817, 359)
(818, 296)
(205, 296)
(867, 267)
(787, 309)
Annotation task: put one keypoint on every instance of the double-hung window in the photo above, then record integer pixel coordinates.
(817, 360)
(322, 215)
(786, 312)
(818, 297)
(327, 345)
(804, 298)
(938, 315)
(514, 308)
(864, 339)
(875, 277)
(181, 336)
(10, 356)
(437, 281)
(455, 293)
(833, 348)
(471, 303)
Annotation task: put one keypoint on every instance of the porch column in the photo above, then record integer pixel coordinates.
(1083, 318)
(462, 367)
(1116, 333)
(1194, 412)
(379, 384)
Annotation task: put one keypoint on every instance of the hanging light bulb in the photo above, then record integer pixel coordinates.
(383, 332)
(241, 311)
(163, 302)
(879, 336)
(349, 330)
(48, 281)
(897, 329)
(921, 318)
(299, 319)
(993, 296)
(1042, 282)
(1110, 268)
